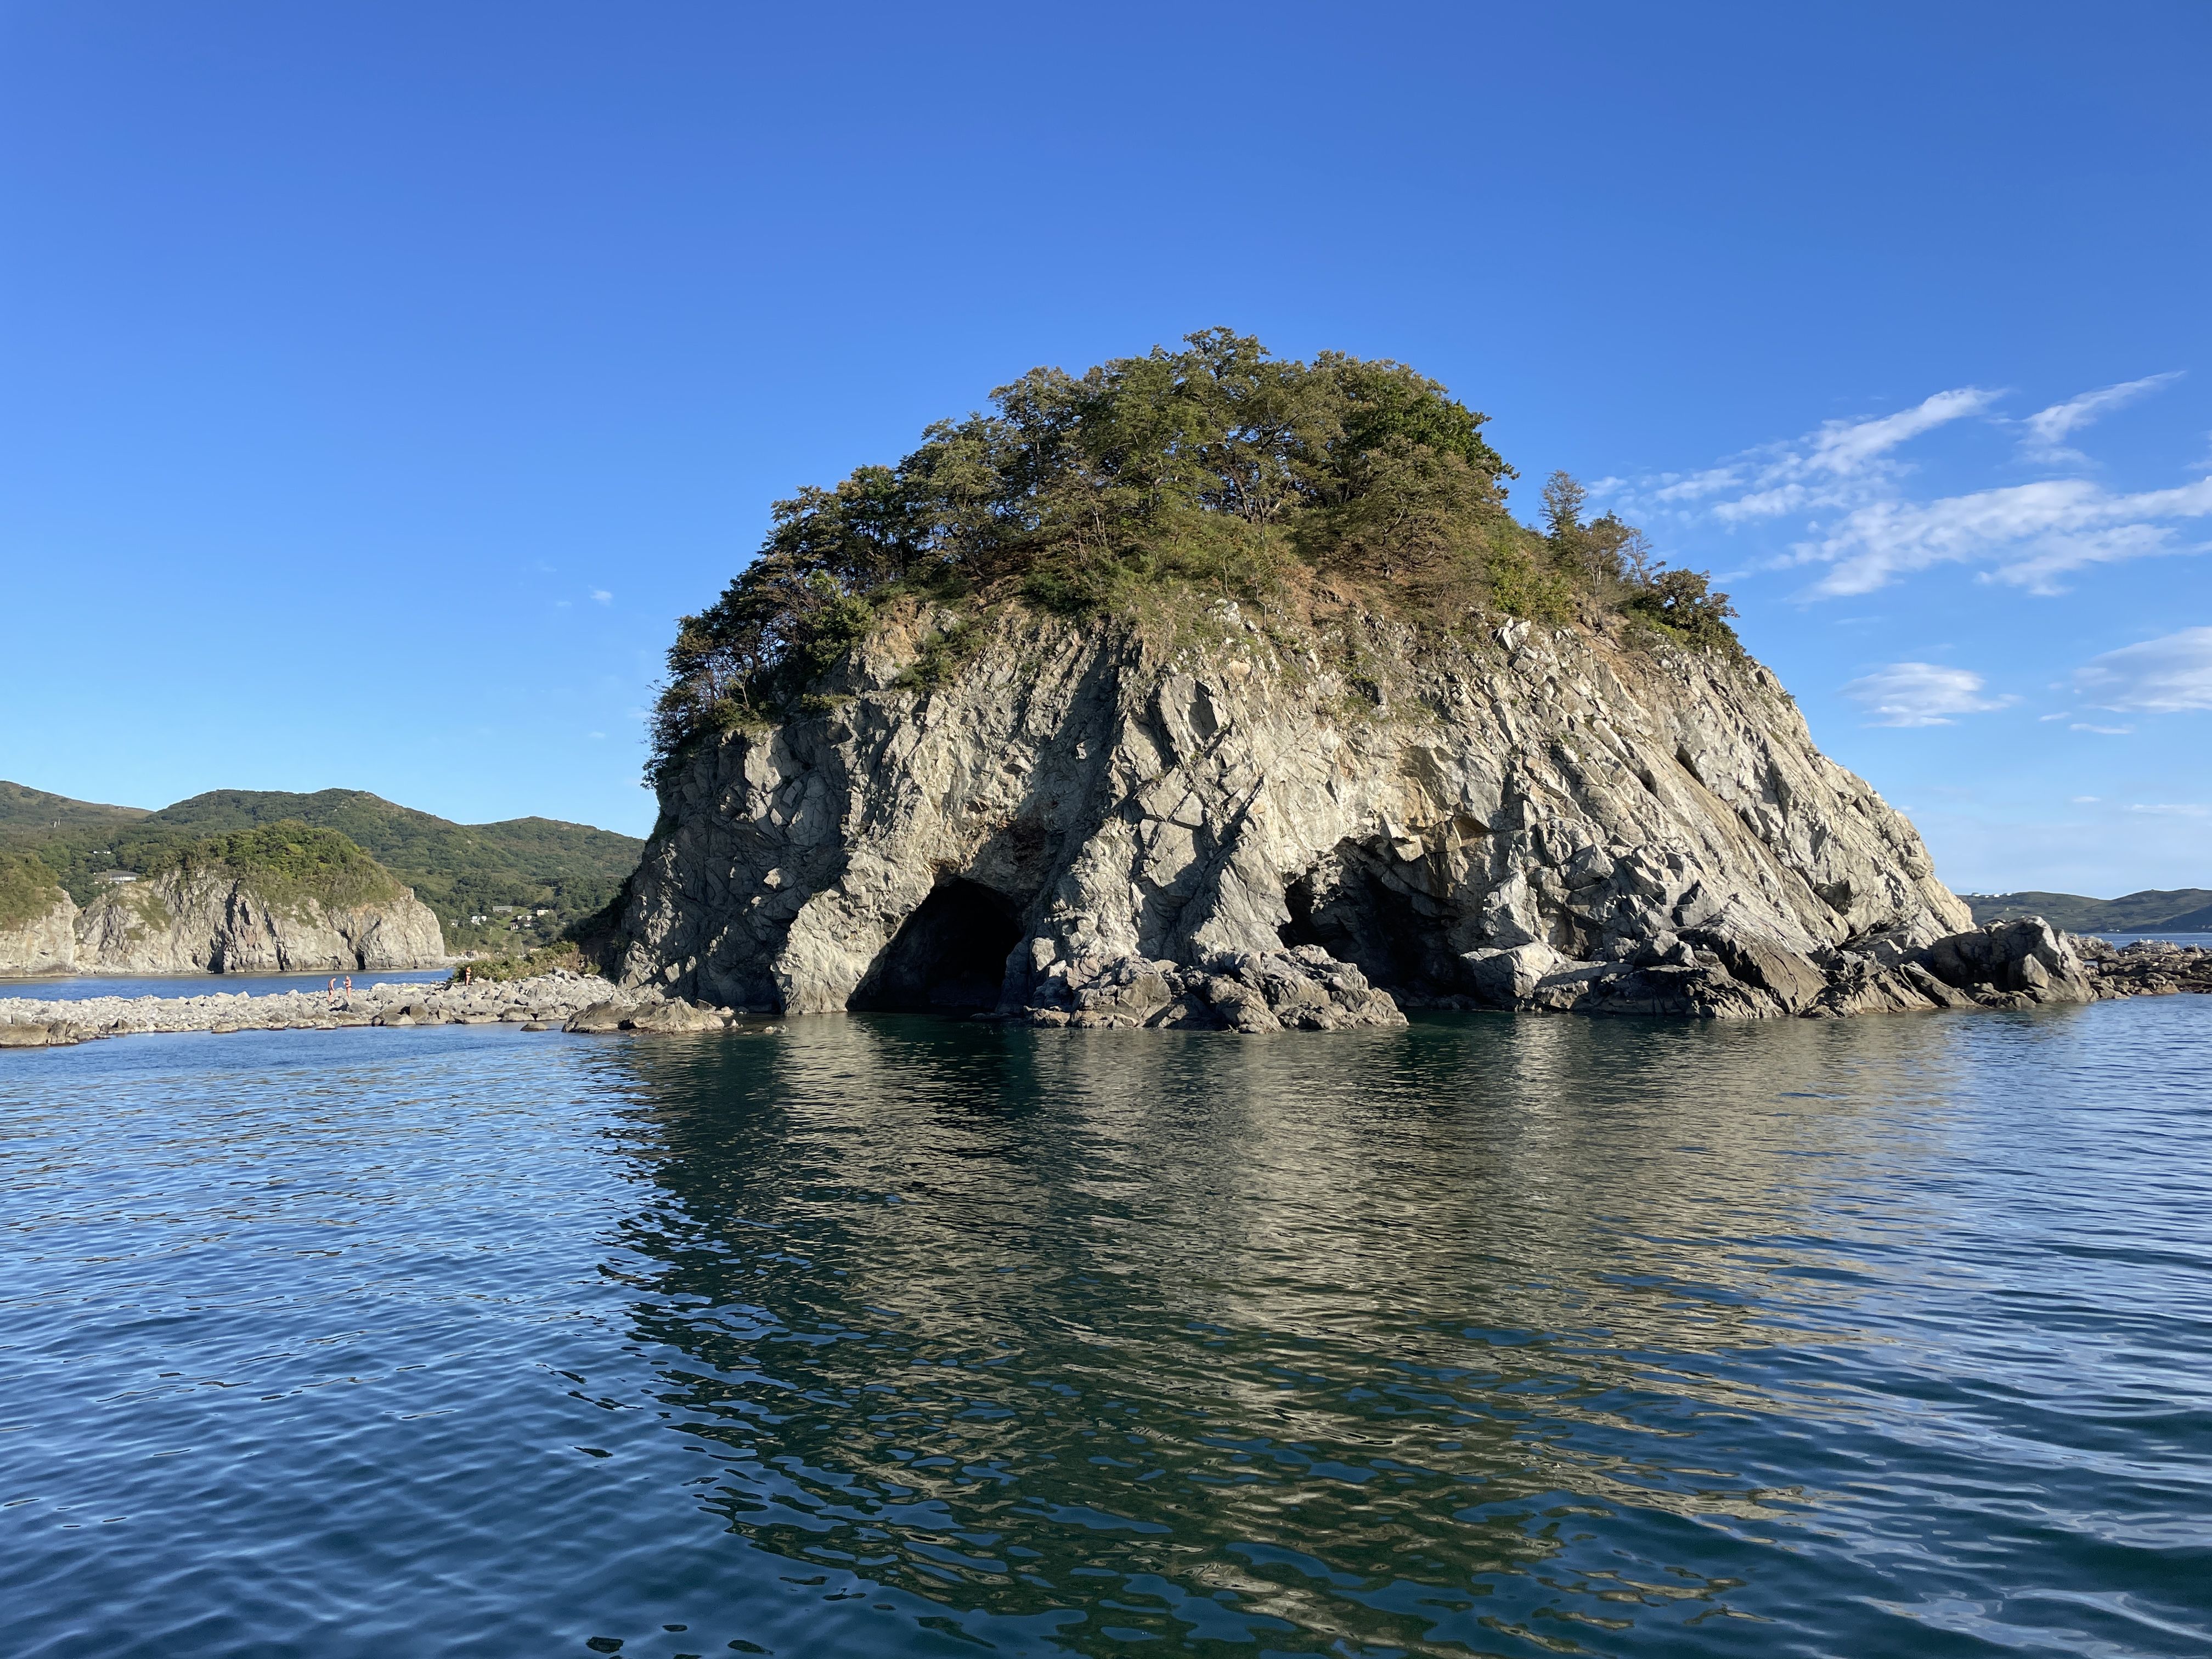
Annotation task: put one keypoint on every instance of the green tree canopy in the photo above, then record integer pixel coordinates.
(1218, 465)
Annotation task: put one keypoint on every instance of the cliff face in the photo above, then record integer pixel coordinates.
(200, 921)
(42, 944)
(1243, 830)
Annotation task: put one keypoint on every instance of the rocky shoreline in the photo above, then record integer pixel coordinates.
(2147, 968)
(540, 1004)
(1248, 997)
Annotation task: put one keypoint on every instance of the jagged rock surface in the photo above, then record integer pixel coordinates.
(46, 943)
(187, 922)
(1084, 830)
(2147, 968)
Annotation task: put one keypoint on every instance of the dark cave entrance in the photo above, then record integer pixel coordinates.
(949, 958)
(1355, 916)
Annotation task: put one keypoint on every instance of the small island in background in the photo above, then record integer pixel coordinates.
(246, 880)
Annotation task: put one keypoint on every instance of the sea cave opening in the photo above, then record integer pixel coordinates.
(949, 957)
(1358, 917)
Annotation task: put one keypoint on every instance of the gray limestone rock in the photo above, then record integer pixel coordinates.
(675, 1017)
(2028, 959)
(1089, 827)
(600, 1018)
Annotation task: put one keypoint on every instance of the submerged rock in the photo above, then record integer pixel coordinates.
(1260, 829)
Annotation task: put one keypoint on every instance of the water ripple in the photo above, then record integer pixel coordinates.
(885, 1336)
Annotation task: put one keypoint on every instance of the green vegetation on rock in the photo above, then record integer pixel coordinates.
(1219, 469)
(287, 862)
(564, 957)
(27, 889)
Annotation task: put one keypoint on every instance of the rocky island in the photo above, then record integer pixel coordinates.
(1210, 689)
(1202, 690)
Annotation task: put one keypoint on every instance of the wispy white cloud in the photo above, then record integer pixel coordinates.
(1921, 694)
(2030, 534)
(2177, 809)
(2044, 442)
(2169, 675)
(1838, 465)
(2101, 731)
(600, 596)
(1848, 446)
(1846, 482)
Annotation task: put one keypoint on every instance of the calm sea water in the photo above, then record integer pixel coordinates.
(881, 1336)
(81, 989)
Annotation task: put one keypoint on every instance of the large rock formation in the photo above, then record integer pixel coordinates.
(200, 920)
(1257, 827)
(43, 942)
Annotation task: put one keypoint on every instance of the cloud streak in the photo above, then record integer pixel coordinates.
(1834, 466)
(1921, 694)
(2031, 534)
(1845, 481)
(2048, 428)
(2171, 675)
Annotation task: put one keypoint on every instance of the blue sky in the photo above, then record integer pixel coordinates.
(377, 382)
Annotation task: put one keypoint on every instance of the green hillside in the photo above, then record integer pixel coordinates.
(505, 872)
(2176, 910)
(31, 816)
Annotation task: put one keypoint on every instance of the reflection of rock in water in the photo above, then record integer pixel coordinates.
(974, 1312)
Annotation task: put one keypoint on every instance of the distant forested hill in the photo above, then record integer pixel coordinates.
(2174, 910)
(28, 817)
(506, 873)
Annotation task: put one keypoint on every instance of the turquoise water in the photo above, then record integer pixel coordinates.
(881, 1336)
(83, 987)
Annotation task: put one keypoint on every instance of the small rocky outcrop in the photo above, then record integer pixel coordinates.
(2146, 968)
(1247, 829)
(200, 921)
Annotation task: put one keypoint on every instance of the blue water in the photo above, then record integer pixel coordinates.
(80, 989)
(878, 1336)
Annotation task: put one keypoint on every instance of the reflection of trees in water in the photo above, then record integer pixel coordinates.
(1197, 1335)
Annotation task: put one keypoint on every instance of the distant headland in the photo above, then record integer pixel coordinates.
(244, 881)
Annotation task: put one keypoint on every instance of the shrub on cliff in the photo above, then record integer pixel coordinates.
(27, 889)
(1220, 467)
(564, 957)
(287, 861)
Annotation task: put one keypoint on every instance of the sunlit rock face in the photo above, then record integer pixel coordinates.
(1235, 823)
(184, 923)
(42, 943)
